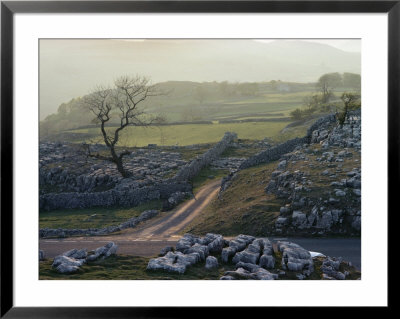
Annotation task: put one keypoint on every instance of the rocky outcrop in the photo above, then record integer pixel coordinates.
(103, 252)
(66, 167)
(190, 250)
(165, 250)
(236, 245)
(253, 258)
(70, 261)
(211, 262)
(274, 153)
(337, 208)
(295, 258)
(98, 184)
(330, 269)
(174, 262)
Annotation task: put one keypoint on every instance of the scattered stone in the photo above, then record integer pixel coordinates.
(173, 262)
(330, 269)
(107, 250)
(249, 265)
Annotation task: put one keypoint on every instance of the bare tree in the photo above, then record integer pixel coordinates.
(350, 101)
(326, 83)
(124, 101)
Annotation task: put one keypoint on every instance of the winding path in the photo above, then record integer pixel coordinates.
(148, 237)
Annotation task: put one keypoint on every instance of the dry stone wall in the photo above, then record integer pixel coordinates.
(190, 170)
(275, 153)
(122, 195)
(129, 192)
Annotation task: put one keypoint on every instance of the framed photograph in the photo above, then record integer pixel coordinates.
(159, 155)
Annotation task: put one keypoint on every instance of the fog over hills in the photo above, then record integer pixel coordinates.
(71, 68)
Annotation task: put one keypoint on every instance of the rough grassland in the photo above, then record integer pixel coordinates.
(123, 267)
(83, 218)
(206, 175)
(245, 208)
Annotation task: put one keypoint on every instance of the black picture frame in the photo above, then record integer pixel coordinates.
(9, 8)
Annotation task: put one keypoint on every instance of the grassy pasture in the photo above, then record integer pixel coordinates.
(83, 218)
(185, 134)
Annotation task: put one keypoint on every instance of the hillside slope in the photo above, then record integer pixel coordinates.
(314, 190)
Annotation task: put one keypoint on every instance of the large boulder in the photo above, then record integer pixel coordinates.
(211, 262)
(238, 244)
(267, 261)
(227, 253)
(216, 245)
(165, 250)
(71, 260)
(202, 250)
(66, 269)
(66, 265)
(299, 219)
(330, 269)
(174, 262)
(187, 241)
(295, 258)
(104, 252)
(77, 254)
(250, 255)
(166, 263)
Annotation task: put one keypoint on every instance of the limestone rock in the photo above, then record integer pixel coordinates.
(330, 269)
(104, 252)
(165, 250)
(296, 258)
(211, 262)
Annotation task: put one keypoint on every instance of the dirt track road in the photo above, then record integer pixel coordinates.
(147, 238)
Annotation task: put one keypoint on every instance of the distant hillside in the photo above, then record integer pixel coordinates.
(207, 103)
(72, 68)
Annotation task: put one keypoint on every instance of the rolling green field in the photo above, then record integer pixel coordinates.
(251, 117)
(185, 134)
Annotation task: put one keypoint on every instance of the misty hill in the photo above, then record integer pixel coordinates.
(71, 68)
(186, 102)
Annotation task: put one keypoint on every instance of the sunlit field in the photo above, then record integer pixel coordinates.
(185, 134)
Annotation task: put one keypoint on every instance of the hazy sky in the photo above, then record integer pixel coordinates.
(71, 68)
(349, 45)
